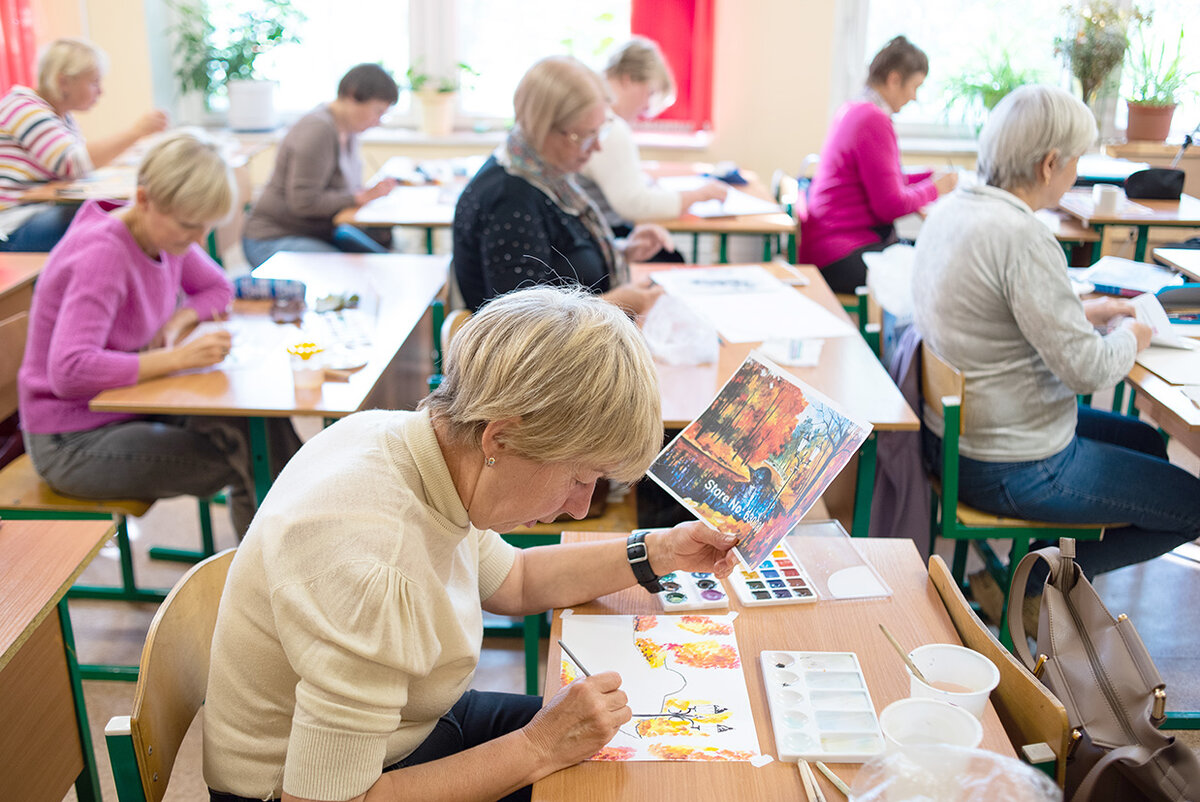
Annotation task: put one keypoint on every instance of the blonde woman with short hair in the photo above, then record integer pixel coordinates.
(110, 310)
(523, 220)
(640, 86)
(39, 141)
(351, 623)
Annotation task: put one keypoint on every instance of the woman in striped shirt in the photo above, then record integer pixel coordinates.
(39, 141)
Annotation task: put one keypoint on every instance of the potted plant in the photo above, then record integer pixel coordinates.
(208, 59)
(1156, 81)
(436, 93)
(978, 90)
(1093, 49)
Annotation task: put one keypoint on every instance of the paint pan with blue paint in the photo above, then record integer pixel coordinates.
(683, 590)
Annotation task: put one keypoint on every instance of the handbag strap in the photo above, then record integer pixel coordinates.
(1135, 754)
(1016, 598)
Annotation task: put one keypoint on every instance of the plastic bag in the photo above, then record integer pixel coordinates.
(677, 335)
(889, 278)
(939, 773)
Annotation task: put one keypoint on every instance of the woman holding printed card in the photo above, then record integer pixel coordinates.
(350, 627)
(992, 297)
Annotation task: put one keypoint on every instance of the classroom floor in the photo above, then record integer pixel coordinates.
(113, 632)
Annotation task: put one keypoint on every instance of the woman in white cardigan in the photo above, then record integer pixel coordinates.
(641, 86)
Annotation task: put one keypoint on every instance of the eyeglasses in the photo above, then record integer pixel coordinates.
(585, 141)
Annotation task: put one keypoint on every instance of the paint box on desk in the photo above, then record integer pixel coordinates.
(779, 579)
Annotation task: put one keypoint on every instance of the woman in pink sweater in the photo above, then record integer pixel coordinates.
(859, 189)
(110, 308)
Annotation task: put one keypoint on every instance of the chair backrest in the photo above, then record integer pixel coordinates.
(939, 380)
(1030, 713)
(454, 322)
(13, 332)
(173, 673)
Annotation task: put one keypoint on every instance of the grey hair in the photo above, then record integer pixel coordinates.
(1025, 127)
(575, 371)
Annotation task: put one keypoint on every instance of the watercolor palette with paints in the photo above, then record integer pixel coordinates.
(820, 707)
(779, 579)
(691, 591)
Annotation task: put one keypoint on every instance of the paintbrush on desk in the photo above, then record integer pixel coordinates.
(810, 780)
(809, 793)
(833, 778)
(574, 659)
(916, 672)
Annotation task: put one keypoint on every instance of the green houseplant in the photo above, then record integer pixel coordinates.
(209, 59)
(436, 93)
(978, 90)
(1155, 83)
(1096, 42)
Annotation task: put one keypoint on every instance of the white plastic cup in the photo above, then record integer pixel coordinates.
(1105, 198)
(921, 722)
(955, 674)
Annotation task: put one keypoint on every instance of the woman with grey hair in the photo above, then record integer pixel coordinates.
(993, 298)
(350, 627)
(39, 141)
(523, 219)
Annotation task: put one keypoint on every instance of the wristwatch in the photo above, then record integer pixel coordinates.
(639, 561)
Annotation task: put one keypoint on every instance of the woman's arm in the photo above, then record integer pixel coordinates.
(889, 194)
(103, 151)
(559, 576)
(617, 170)
(205, 286)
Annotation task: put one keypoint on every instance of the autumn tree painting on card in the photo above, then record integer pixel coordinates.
(759, 457)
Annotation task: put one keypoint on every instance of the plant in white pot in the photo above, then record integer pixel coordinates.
(1156, 81)
(436, 95)
(209, 59)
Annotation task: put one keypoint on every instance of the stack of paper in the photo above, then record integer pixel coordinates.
(1118, 276)
(736, 202)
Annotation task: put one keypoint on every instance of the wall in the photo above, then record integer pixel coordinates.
(772, 61)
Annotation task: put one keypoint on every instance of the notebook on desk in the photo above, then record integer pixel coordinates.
(1117, 276)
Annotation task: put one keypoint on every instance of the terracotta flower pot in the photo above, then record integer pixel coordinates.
(1148, 123)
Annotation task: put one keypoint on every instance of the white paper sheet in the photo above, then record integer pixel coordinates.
(736, 202)
(684, 679)
(1171, 364)
(427, 204)
(754, 317)
(1126, 274)
(1151, 313)
(717, 280)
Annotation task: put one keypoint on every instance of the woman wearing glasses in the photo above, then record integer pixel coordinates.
(523, 219)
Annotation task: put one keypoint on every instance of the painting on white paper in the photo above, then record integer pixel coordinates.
(683, 676)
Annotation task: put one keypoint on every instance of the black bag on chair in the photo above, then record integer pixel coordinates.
(1156, 183)
(1115, 698)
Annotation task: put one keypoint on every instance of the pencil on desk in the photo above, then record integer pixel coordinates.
(833, 778)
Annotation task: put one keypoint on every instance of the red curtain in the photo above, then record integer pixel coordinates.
(684, 31)
(18, 51)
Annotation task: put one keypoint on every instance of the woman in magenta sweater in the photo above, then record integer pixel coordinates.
(110, 308)
(859, 189)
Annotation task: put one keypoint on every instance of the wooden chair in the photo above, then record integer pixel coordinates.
(25, 496)
(172, 682)
(942, 389)
(1034, 719)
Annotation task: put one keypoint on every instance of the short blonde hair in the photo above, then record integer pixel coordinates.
(66, 58)
(185, 174)
(553, 94)
(1025, 127)
(574, 370)
(640, 59)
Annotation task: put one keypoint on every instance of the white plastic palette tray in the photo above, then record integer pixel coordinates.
(820, 707)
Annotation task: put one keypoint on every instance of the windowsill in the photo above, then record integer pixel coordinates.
(697, 141)
(934, 146)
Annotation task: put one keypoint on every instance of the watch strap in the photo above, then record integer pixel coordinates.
(639, 561)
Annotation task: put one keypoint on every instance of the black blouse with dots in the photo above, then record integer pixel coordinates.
(509, 234)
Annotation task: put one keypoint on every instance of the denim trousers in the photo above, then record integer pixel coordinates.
(346, 239)
(1115, 469)
(476, 718)
(161, 457)
(41, 232)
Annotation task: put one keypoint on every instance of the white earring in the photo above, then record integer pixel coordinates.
(490, 461)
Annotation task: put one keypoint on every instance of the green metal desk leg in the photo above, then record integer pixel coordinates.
(429, 240)
(1143, 238)
(207, 546)
(864, 488)
(1118, 396)
(532, 636)
(696, 248)
(768, 249)
(260, 456)
(87, 784)
(437, 311)
(129, 591)
(1098, 245)
(723, 257)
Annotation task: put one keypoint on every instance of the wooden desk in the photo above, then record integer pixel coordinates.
(849, 373)
(403, 286)
(1184, 212)
(45, 744)
(914, 614)
(18, 271)
(430, 207)
(769, 226)
(1185, 260)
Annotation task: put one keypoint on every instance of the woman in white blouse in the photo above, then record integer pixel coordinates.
(640, 85)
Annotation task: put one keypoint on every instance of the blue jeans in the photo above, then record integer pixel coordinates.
(478, 717)
(1115, 469)
(346, 239)
(41, 232)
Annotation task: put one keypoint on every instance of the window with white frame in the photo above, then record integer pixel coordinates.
(497, 41)
(967, 39)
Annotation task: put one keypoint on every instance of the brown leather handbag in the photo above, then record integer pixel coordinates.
(1115, 698)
